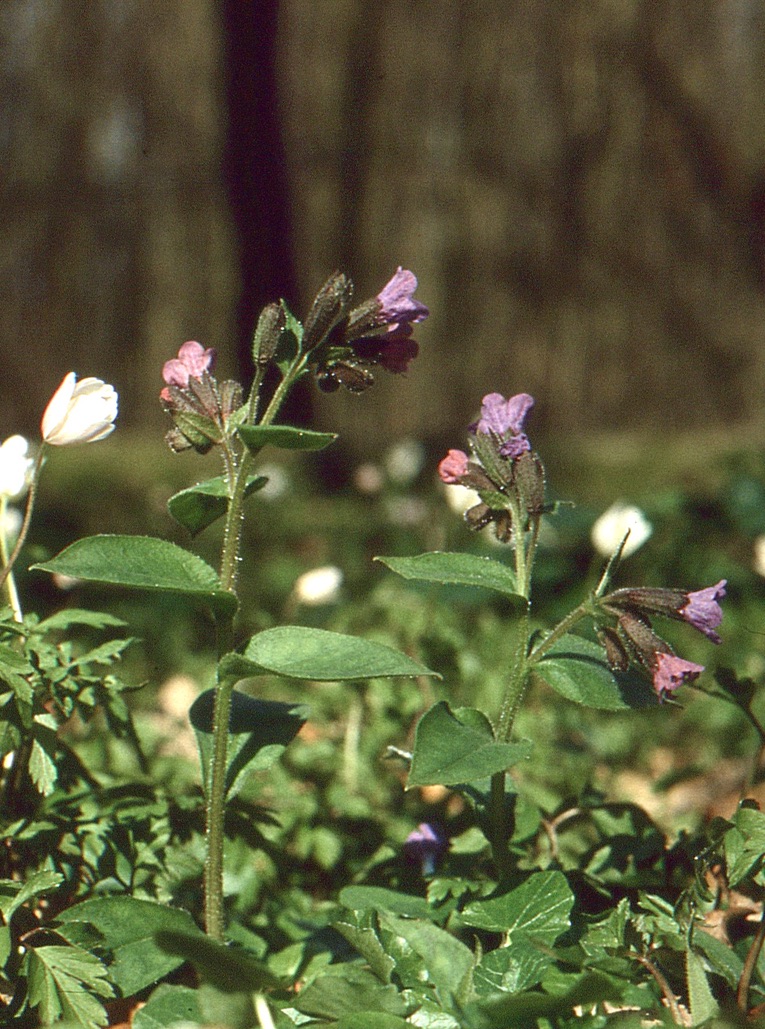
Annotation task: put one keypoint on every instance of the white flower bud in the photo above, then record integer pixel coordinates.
(79, 412)
(609, 530)
(15, 467)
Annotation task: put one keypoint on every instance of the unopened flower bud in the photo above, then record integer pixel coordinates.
(267, 333)
(530, 482)
(328, 309)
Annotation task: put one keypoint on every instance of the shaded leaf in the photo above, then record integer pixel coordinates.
(62, 981)
(456, 569)
(199, 506)
(224, 967)
(454, 747)
(577, 669)
(167, 1006)
(285, 437)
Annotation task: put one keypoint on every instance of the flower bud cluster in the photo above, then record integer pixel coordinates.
(346, 343)
(632, 640)
(504, 471)
(199, 405)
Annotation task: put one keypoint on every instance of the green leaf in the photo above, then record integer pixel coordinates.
(455, 747)
(577, 669)
(701, 1001)
(539, 908)
(511, 969)
(298, 652)
(62, 981)
(367, 942)
(259, 730)
(167, 1006)
(128, 927)
(379, 898)
(13, 894)
(744, 845)
(348, 990)
(456, 569)
(142, 562)
(70, 616)
(371, 1020)
(285, 437)
(43, 769)
(448, 962)
(199, 506)
(223, 967)
(526, 1009)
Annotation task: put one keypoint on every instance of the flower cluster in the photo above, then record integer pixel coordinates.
(633, 639)
(503, 470)
(199, 405)
(347, 343)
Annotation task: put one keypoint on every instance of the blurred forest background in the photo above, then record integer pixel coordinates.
(578, 184)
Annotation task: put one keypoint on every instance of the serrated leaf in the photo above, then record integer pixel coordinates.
(539, 908)
(128, 927)
(456, 569)
(199, 506)
(299, 652)
(701, 1001)
(284, 437)
(43, 769)
(62, 981)
(455, 747)
(224, 967)
(259, 730)
(142, 562)
(69, 616)
(13, 894)
(577, 669)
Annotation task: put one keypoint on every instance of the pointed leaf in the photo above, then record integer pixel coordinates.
(454, 747)
(168, 1005)
(142, 562)
(379, 898)
(221, 966)
(128, 927)
(577, 669)
(448, 962)
(526, 1009)
(259, 731)
(285, 437)
(298, 652)
(62, 981)
(199, 506)
(456, 569)
(701, 1000)
(539, 908)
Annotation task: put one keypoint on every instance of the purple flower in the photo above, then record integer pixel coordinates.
(397, 304)
(702, 610)
(670, 672)
(500, 418)
(426, 844)
(453, 467)
(192, 362)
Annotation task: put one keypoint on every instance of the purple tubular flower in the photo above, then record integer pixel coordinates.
(702, 610)
(426, 844)
(192, 362)
(671, 672)
(502, 418)
(397, 303)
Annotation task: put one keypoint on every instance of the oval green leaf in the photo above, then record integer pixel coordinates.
(577, 669)
(300, 652)
(199, 506)
(285, 437)
(456, 569)
(142, 562)
(458, 747)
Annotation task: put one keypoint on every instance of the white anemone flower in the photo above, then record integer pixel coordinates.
(79, 412)
(319, 586)
(759, 556)
(610, 529)
(15, 467)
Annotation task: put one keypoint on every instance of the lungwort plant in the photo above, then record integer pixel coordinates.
(512, 915)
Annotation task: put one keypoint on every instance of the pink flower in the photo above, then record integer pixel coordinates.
(702, 610)
(453, 467)
(671, 672)
(192, 362)
(397, 304)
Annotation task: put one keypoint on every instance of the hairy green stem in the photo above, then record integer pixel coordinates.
(215, 788)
